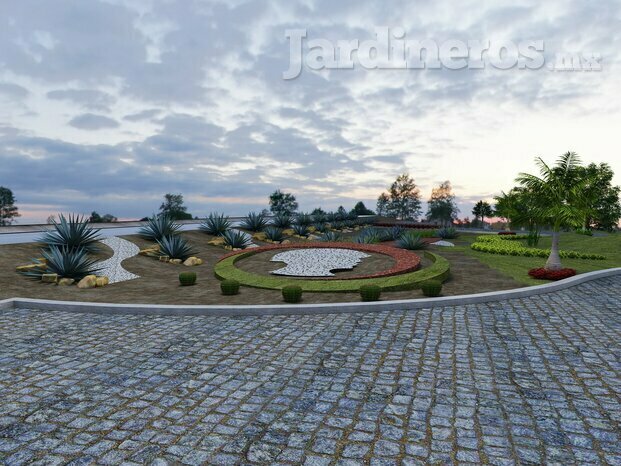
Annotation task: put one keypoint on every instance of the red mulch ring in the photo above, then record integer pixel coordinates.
(545, 274)
(406, 261)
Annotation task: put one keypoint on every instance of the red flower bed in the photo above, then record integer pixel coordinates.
(406, 261)
(502, 233)
(544, 274)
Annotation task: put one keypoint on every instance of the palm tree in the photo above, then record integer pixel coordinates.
(559, 198)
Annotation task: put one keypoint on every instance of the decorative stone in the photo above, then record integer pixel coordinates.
(175, 261)
(30, 267)
(219, 241)
(66, 281)
(192, 261)
(288, 232)
(90, 281)
(164, 259)
(102, 281)
(49, 277)
(149, 251)
(259, 236)
(443, 244)
(317, 262)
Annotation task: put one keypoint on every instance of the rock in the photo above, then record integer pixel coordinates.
(443, 243)
(164, 258)
(102, 281)
(259, 236)
(192, 261)
(288, 232)
(252, 246)
(175, 261)
(49, 277)
(30, 267)
(286, 241)
(66, 281)
(90, 281)
(216, 242)
(149, 251)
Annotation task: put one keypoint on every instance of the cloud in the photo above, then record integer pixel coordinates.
(88, 98)
(90, 121)
(13, 91)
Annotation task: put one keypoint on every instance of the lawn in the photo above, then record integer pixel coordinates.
(518, 267)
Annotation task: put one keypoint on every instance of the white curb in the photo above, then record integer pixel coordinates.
(289, 309)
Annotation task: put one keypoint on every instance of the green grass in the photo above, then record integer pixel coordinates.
(226, 270)
(517, 267)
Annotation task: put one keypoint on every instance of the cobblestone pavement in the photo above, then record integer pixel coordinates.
(527, 381)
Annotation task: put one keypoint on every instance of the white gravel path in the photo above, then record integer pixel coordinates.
(112, 267)
(317, 262)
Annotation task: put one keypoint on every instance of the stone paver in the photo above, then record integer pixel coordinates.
(528, 381)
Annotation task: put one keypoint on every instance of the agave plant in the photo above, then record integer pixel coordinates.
(331, 217)
(319, 219)
(330, 236)
(71, 232)
(254, 222)
(370, 236)
(337, 225)
(303, 219)
(158, 227)
(412, 241)
(394, 233)
(274, 234)
(301, 230)
(320, 227)
(281, 221)
(237, 239)
(64, 261)
(175, 247)
(215, 224)
(448, 233)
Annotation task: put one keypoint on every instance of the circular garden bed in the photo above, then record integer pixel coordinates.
(403, 275)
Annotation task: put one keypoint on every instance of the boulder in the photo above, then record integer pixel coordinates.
(192, 261)
(49, 277)
(66, 281)
(90, 281)
(219, 241)
(30, 267)
(259, 236)
(286, 241)
(102, 281)
(288, 232)
(149, 251)
(164, 259)
(175, 261)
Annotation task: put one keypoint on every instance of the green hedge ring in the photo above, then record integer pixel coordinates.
(439, 270)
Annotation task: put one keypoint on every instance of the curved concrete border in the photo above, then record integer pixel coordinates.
(288, 309)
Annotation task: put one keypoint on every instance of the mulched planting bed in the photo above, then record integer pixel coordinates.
(159, 282)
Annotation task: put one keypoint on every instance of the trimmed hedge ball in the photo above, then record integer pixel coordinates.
(187, 278)
(431, 288)
(370, 292)
(229, 287)
(292, 293)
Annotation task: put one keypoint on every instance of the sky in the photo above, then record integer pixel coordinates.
(107, 105)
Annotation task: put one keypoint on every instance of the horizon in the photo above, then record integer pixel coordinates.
(108, 105)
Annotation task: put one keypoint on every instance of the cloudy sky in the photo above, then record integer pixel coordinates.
(108, 104)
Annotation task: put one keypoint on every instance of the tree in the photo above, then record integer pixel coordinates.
(441, 205)
(481, 210)
(341, 213)
(558, 198)
(107, 218)
(173, 207)
(382, 204)
(318, 211)
(361, 209)
(403, 199)
(282, 203)
(8, 209)
(603, 208)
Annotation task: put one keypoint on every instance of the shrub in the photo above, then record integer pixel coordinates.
(292, 293)
(71, 232)
(448, 233)
(187, 278)
(274, 234)
(330, 236)
(64, 261)
(254, 222)
(215, 224)
(237, 239)
(509, 246)
(303, 219)
(281, 221)
(175, 247)
(411, 241)
(584, 231)
(544, 274)
(370, 236)
(370, 292)
(301, 230)
(158, 227)
(337, 225)
(229, 287)
(320, 227)
(431, 288)
(319, 219)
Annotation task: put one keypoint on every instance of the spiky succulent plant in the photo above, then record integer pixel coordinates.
(175, 247)
(301, 230)
(411, 241)
(281, 221)
(237, 239)
(64, 261)
(254, 222)
(158, 227)
(215, 224)
(71, 232)
(274, 234)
